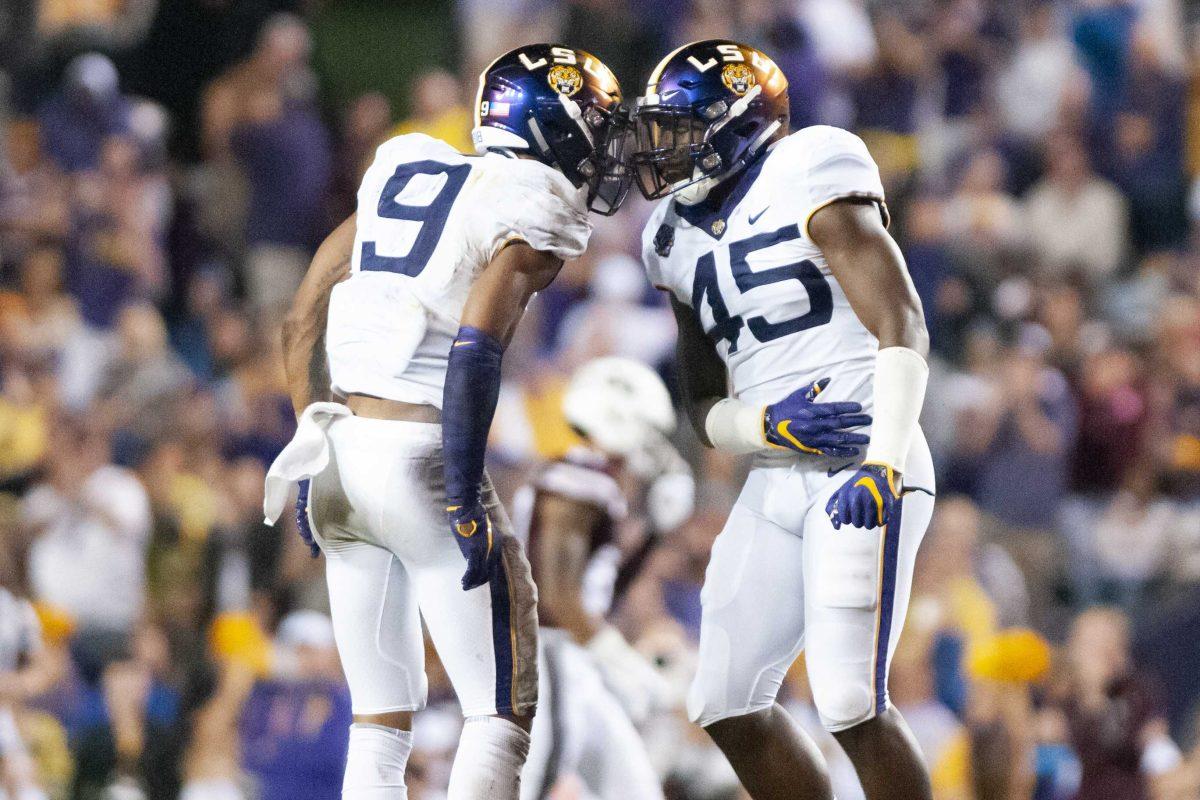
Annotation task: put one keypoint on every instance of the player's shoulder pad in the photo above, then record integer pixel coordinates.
(582, 481)
(411, 146)
(658, 240)
(820, 164)
(536, 204)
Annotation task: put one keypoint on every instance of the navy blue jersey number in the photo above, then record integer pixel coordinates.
(820, 298)
(432, 216)
(704, 284)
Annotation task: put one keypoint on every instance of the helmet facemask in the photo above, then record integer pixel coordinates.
(679, 149)
(588, 146)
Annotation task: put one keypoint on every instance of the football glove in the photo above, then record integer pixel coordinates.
(302, 519)
(867, 500)
(798, 422)
(472, 531)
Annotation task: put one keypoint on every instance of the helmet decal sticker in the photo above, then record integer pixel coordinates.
(738, 78)
(565, 79)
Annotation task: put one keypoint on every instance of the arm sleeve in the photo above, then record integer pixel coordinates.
(832, 164)
(468, 405)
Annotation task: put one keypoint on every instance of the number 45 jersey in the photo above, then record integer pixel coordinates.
(429, 220)
(760, 287)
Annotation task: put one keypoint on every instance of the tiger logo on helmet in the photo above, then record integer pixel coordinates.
(565, 79)
(738, 78)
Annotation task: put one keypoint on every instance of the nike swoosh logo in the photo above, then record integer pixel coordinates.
(836, 470)
(754, 217)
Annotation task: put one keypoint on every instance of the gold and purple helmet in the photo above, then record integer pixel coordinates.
(710, 108)
(562, 106)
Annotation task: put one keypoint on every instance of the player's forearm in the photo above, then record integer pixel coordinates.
(702, 378)
(304, 362)
(304, 326)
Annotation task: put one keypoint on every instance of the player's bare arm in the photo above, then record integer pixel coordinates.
(563, 553)
(701, 371)
(499, 296)
(869, 267)
(304, 326)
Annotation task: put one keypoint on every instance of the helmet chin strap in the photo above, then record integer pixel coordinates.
(694, 189)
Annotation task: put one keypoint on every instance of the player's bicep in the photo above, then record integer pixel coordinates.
(869, 267)
(329, 266)
(702, 375)
(499, 295)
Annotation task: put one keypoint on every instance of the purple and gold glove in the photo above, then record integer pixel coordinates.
(867, 500)
(798, 422)
(473, 533)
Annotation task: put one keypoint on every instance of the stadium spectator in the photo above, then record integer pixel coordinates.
(126, 740)
(260, 116)
(38, 319)
(33, 194)
(1018, 444)
(144, 377)
(1114, 722)
(438, 110)
(1030, 87)
(83, 114)
(293, 727)
(87, 522)
(1077, 221)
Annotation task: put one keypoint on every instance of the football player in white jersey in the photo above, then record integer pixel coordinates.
(594, 686)
(786, 285)
(414, 298)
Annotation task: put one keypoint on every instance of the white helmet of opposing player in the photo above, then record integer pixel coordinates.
(621, 405)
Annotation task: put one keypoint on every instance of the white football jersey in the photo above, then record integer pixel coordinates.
(762, 289)
(429, 220)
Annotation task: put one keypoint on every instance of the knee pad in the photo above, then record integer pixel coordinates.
(844, 704)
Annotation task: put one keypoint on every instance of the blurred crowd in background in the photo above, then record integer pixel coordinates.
(167, 167)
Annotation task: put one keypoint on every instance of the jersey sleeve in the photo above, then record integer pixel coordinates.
(583, 484)
(540, 207)
(830, 164)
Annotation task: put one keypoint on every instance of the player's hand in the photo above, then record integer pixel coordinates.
(798, 422)
(472, 531)
(302, 519)
(867, 500)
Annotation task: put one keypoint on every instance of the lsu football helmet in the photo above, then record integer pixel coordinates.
(710, 108)
(562, 106)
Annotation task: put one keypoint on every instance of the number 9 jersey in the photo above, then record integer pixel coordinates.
(759, 285)
(430, 219)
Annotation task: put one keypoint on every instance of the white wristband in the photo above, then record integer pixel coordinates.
(735, 427)
(900, 378)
